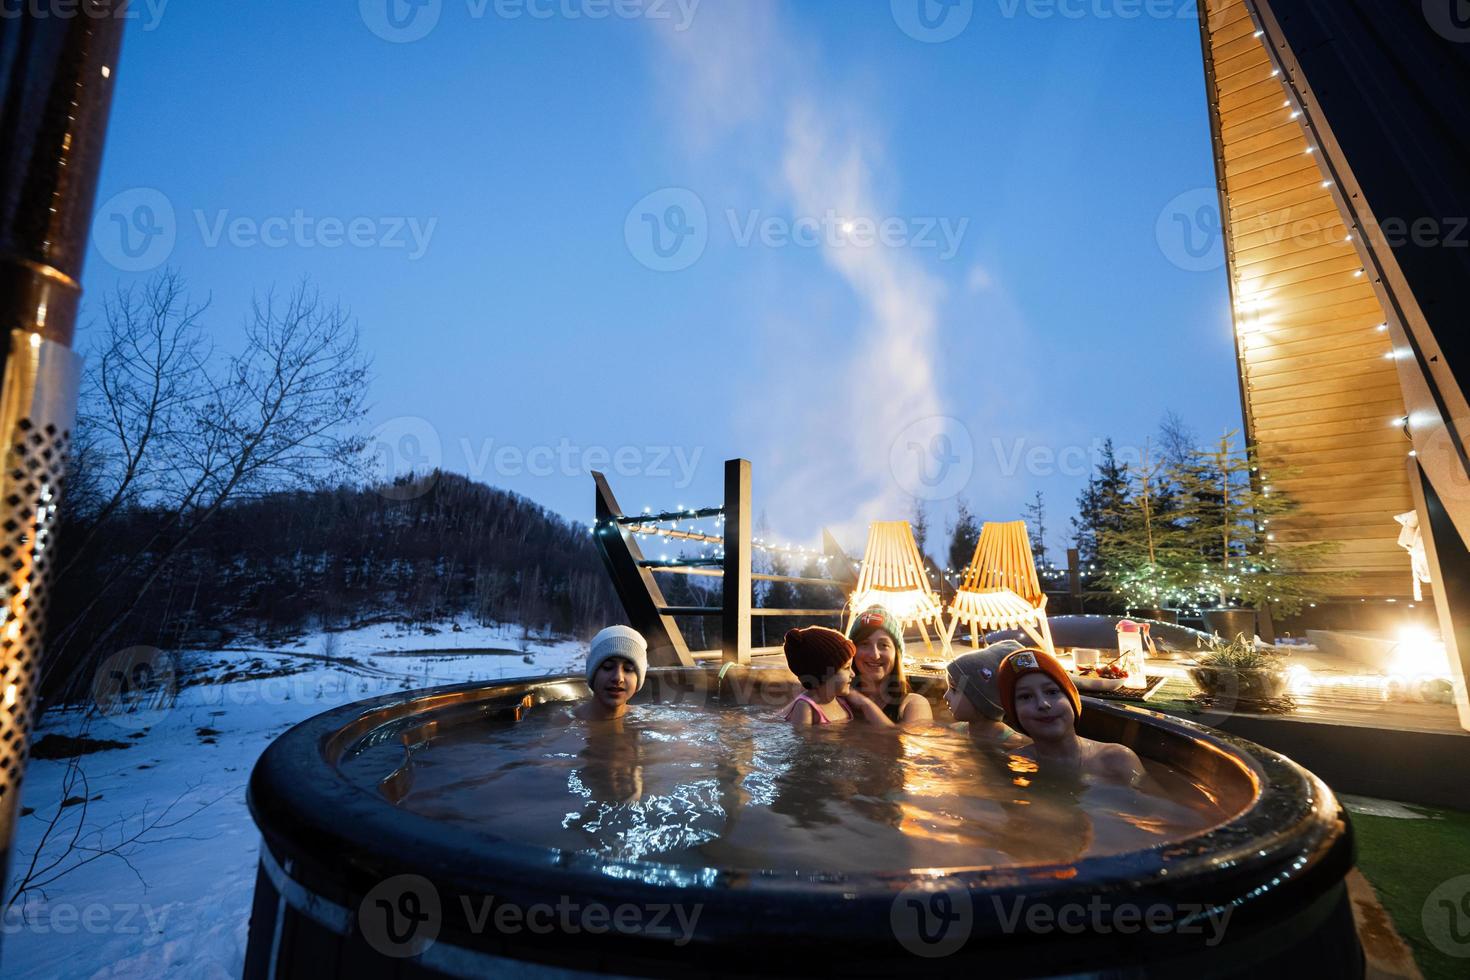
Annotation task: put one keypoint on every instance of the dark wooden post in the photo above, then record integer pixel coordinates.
(641, 597)
(735, 621)
(944, 588)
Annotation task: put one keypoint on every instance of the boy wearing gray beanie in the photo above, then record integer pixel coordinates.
(974, 695)
(617, 664)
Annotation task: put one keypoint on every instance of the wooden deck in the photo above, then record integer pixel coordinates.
(1351, 737)
(1357, 706)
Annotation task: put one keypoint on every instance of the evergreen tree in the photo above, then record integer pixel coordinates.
(761, 564)
(1084, 523)
(1036, 526)
(810, 596)
(964, 535)
(760, 560)
(1099, 507)
(683, 590)
(1227, 512)
(1176, 446)
(1144, 558)
(780, 595)
(920, 525)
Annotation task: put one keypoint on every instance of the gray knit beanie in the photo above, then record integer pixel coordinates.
(974, 676)
(619, 641)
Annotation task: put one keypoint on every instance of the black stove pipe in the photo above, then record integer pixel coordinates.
(58, 63)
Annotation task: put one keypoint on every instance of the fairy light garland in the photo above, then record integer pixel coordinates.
(648, 524)
(1142, 588)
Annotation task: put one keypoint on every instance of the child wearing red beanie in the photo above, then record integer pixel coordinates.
(1040, 701)
(821, 659)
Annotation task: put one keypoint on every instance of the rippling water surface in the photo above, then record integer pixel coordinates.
(735, 788)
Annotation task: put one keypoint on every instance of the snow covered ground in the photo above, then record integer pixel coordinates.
(165, 849)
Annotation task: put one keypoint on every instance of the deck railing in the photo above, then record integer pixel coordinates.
(633, 574)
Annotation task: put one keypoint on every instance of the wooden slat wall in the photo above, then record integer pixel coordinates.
(1320, 392)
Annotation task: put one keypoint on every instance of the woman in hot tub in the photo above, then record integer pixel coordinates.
(878, 664)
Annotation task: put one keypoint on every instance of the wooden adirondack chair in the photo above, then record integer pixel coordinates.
(1000, 589)
(893, 575)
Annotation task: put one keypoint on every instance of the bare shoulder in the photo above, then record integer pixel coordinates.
(915, 707)
(801, 713)
(1118, 762)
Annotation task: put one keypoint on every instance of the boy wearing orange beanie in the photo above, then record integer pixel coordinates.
(1041, 702)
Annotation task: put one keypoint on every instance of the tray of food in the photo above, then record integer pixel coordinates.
(1099, 679)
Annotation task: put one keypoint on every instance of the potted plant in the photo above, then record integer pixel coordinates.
(1239, 670)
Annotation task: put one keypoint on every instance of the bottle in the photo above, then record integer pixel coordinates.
(1131, 655)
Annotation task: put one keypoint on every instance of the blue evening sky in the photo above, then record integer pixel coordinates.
(653, 236)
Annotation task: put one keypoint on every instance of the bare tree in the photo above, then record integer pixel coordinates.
(586, 601)
(1176, 441)
(144, 383)
(185, 434)
(81, 844)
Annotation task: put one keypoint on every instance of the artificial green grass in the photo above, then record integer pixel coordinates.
(1406, 860)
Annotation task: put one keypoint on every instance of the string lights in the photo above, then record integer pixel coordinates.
(650, 524)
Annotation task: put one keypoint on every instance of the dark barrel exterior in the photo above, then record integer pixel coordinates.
(349, 885)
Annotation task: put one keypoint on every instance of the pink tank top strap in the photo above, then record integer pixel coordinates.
(822, 718)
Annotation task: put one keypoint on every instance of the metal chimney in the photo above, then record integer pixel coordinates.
(57, 65)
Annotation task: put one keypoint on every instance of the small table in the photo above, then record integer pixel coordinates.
(1150, 688)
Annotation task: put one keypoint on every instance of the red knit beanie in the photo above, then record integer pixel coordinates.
(1032, 661)
(816, 653)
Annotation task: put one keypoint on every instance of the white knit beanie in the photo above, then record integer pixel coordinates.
(619, 641)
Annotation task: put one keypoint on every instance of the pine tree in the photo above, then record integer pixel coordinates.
(1099, 506)
(1227, 512)
(1084, 523)
(681, 590)
(760, 560)
(781, 595)
(1036, 526)
(964, 535)
(1176, 445)
(920, 525)
(1145, 557)
(812, 596)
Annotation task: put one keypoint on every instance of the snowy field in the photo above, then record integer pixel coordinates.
(152, 875)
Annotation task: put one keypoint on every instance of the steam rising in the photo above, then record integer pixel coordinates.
(827, 461)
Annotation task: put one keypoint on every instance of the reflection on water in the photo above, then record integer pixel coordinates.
(734, 788)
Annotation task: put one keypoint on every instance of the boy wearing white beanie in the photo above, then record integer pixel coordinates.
(616, 667)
